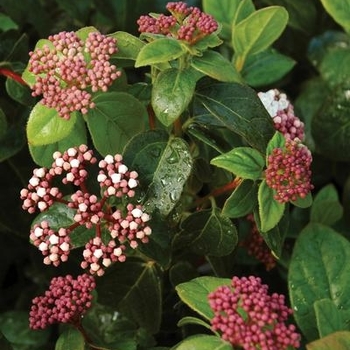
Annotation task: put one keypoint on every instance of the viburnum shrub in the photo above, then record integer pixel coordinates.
(175, 175)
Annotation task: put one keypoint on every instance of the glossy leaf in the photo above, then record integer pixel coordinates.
(203, 342)
(237, 108)
(258, 31)
(172, 92)
(329, 318)
(159, 51)
(244, 162)
(207, 232)
(70, 339)
(339, 11)
(163, 164)
(242, 201)
(331, 125)
(266, 68)
(319, 269)
(195, 293)
(134, 288)
(326, 208)
(116, 118)
(214, 65)
(337, 340)
(270, 211)
(45, 126)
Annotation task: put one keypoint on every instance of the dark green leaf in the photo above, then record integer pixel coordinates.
(3, 124)
(163, 165)
(172, 92)
(181, 272)
(270, 211)
(70, 339)
(12, 142)
(303, 202)
(266, 68)
(242, 201)
(134, 288)
(207, 232)
(6, 23)
(326, 208)
(203, 342)
(159, 51)
(195, 293)
(116, 118)
(331, 125)
(214, 65)
(237, 108)
(319, 269)
(329, 318)
(337, 340)
(19, 93)
(244, 162)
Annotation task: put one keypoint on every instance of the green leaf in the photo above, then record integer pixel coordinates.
(42, 155)
(116, 118)
(329, 318)
(4, 343)
(134, 289)
(245, 9)
(326, 208)
(216, 66)
(337, 340)
(172, 92)
(3, 124)
(258, 31)
(163, 166)
(190, 320)
(244, 162)
(14, 325)
(303, 202)
(159, 51)
(6, 23)
(237, 108)
(331, 125)
(270, 211)
(277, 141)
(83, 33)
(12, 141)
(266, 68)
(195, 293)
(339, 11)
(45, 126)
(19, 93)
(207, 232)
(128, 45)
(203, 342)
(242, 201)
(70, 339)
(319, 269)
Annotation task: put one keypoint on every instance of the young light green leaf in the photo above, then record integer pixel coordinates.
(159, 51)
(207, 232)
(134, 289)
(116, 118)
(70, 339)
(277, 141)
(258, 31)
(337, 340)
(244, 162)
(244, 9)
(84, 32)
(195, 293)
(339, 11)
(319, 269)
(45, 126)
(172, 92)
(270, 211)
(203, 342)
(242, 201)
(214, 65)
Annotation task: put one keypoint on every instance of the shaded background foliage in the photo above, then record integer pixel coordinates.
(304, 40)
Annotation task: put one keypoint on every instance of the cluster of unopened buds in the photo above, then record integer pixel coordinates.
(187, 23)
(68, 70)
(117, 221)
(249, 318)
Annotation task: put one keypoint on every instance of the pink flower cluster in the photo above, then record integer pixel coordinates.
(69, 70)
(288, 171)
(185, 23)
(116, 220)
(66, 300)
(282, 113)
(248, 317)
(257, 247)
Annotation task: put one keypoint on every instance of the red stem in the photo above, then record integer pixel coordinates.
(10, 74)
(151, 117)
